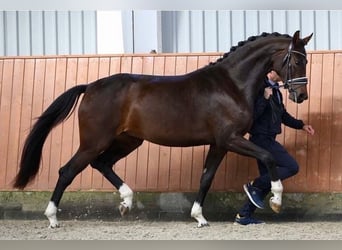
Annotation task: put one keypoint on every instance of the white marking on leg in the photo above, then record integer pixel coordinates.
(50, 213)
(277, 190)
(127, 195)
(196, 213)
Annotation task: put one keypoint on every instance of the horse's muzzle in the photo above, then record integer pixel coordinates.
(298, 98)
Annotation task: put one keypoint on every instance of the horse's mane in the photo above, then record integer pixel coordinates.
(250, 39)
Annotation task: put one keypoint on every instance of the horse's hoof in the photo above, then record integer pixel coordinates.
(275, 207)
(201, 225)
(53, 226)
(123, 210)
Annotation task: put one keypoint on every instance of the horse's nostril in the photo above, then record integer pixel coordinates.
(303, 96)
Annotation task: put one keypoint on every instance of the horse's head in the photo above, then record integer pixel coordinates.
(290, 64)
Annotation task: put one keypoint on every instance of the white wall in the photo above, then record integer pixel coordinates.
(206, 31)
(47, 32)
(109, 32)
(140, 31)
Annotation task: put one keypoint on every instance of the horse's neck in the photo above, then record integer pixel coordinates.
(247, 69)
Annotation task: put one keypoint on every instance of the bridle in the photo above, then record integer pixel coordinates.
(292, 83)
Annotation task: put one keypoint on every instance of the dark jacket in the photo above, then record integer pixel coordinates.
(270, 114)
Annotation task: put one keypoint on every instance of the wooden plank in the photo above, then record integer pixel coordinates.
(15, 110)
(57, 149)
(115, 65)
(326, 120)
(126, 64)
(336, 128)
(5, 116)
(104, 67)
(203, 61)
(3, 146)
(26, 105)
(314, 120)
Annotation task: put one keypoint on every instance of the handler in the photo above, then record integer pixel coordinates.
(269, 114)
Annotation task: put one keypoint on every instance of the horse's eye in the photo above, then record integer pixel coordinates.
(301, 62)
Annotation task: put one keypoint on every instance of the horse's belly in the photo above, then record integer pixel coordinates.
(171, 134)
(178, 142)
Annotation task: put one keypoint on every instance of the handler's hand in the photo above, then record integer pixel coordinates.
(267, 93)
(309, 129)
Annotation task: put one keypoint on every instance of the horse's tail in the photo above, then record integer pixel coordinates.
(56, 113)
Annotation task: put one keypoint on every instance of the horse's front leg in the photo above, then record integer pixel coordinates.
(243, 146)
(214, 157)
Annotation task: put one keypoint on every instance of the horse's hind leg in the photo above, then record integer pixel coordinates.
(213, 160)
(243, 146)
(120, 148)
(66, 175)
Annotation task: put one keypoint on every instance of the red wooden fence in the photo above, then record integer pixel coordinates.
(29, 84)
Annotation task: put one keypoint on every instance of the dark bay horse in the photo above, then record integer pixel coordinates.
(212, 105)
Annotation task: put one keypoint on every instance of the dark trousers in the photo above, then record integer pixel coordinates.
(286, 167)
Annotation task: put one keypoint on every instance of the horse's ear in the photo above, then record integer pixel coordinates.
(307, 39)
(295, 37)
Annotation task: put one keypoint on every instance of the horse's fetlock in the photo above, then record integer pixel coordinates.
(127, 195)
(276, 186)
